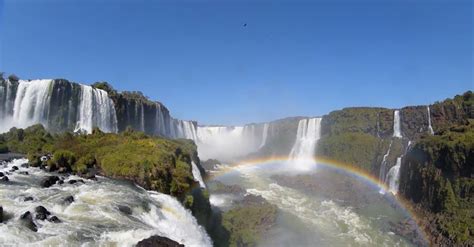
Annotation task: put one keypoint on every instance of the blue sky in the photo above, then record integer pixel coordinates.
(292, 58)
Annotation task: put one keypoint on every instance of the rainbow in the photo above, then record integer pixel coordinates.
(347, 168)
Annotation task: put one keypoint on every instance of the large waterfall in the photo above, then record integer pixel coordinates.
(227, 143)
(307, 136)
(96, 110)
(396, 124)
(430, 128)
(57, 107)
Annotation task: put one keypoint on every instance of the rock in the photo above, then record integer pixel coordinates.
(73, 181)
(157, 241)
(4, 179)
(1, 214)
(41, 213)
(54, 219)
(23, 173)
(125, 209)
(28, 198)
(68, 199)
(61, 181)
(15, 168)
(1, 174)
(25, 165)
(27, 220)
(49, 181)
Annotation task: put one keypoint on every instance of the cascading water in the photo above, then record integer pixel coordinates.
(307, 136)
(78, 107)
(94, 218)
(96, 109)
(31, 104)
(383, 166)
(396, 124)
(264, 135)
(430, 128)
(393, 177)
(197, 175)
(227, 143)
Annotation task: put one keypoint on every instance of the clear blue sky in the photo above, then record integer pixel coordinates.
(292, 58)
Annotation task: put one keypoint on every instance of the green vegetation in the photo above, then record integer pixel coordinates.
(354, 148)
(438, 174)
(247, 223)
(154, 163)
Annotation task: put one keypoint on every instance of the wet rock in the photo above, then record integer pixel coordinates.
(1, 214)
(62, 170)
(68, 199)
(26, 219)
(61, 181)
(23, 173)
(1, 174)
(49, 181)
(54, 219)
(15, 168)
(155, 241)
(24, 165)
(41, 213)
(74, 181)
(4, 179)
(28, 198)
(125, 209)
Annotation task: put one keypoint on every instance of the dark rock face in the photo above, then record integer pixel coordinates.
(27, 220)
(49, 181)
(41, 213)
(68, 200)
(124, 209)
(54, 219)
(157, 241)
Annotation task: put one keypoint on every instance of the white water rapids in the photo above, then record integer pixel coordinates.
(93, 218)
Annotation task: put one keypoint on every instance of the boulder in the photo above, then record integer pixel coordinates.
(41, 213)
(1, 174)
(23, 173)
(54, 219)
(155, 241)
(125, 209)
(68, 200)
(28, 198)
(24, 165)
(27, 220)
(15, 168)
(4, 179)
(49, 181)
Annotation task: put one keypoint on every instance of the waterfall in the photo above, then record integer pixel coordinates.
(430, 128)
(383, 166)
(31, 103)
(396, 124)
(160, 122)
(142, 118)
(227, 143)
(307, 136)
(96, 109)
(197, 175)
(264, 135)
(45, 102)
(393, 176)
